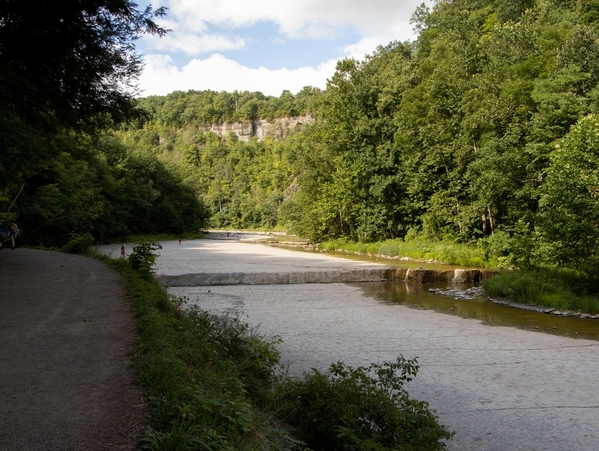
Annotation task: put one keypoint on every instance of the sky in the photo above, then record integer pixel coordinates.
(265, 45)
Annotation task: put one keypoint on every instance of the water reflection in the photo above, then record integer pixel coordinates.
(416, 295)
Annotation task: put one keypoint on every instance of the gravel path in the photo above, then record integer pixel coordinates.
(65, 336)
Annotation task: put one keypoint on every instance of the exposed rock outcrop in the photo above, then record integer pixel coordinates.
(260, 128)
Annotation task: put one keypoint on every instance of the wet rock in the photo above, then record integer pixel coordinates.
(487, 273)
(274, 278)
(445, 276)
(421, 275)
(466, 276)
(469, 294)
(400, 273)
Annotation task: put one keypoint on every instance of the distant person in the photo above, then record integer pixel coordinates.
(123, 250)
(13, 231)
(179, 241)
(1, 237)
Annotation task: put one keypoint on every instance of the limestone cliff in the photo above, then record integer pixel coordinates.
(260, 128)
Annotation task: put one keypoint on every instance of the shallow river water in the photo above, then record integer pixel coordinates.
(418, 296)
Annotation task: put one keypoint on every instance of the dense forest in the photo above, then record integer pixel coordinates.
(482, 128)
(67, 79)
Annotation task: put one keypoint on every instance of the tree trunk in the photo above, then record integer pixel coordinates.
(490, 220)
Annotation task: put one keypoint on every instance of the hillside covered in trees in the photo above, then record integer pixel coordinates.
(482, 128)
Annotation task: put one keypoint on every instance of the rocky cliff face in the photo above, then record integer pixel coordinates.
(278, 128)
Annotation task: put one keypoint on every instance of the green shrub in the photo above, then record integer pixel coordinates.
(204, 375)
(497, 247)
(79, 244)
(143, 257)
(361, 409)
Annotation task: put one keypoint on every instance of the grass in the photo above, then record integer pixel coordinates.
(450, 253)
(552, 287)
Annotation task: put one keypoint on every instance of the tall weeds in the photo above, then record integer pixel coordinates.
(558, 288)
(451, 253)
(204, 374)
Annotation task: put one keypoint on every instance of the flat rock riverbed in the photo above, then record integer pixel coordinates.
(498, 388)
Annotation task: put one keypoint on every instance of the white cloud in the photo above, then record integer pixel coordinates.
(218, 73)
(195, 44)
(377, 22)
(363, 47)
(316, 19)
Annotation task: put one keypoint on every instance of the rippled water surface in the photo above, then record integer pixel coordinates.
(418, 296)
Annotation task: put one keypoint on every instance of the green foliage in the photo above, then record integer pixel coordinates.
(452, 135)
(360, 409)
(102, 187)
(498, 248)
(557, 288)
(143, 258)
(204, 374)
(68, 73)
(72, 64)
(79, 244)
(570, 198)
(209, 107)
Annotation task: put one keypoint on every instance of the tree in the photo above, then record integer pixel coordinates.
(570, 197)
(68, 63)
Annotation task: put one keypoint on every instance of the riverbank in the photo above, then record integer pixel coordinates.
(556, 290)
(479, 292)
(204, 375)
(442, 252)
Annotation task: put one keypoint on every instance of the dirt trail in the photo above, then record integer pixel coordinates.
(65, 337)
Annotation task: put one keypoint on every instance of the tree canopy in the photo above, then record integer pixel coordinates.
(68, 74)
(70, 62)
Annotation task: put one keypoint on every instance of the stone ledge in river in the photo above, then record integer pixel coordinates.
(422, 275)
(275, 278)
(414, 275)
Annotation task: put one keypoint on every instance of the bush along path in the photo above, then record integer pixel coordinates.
(213, 383)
